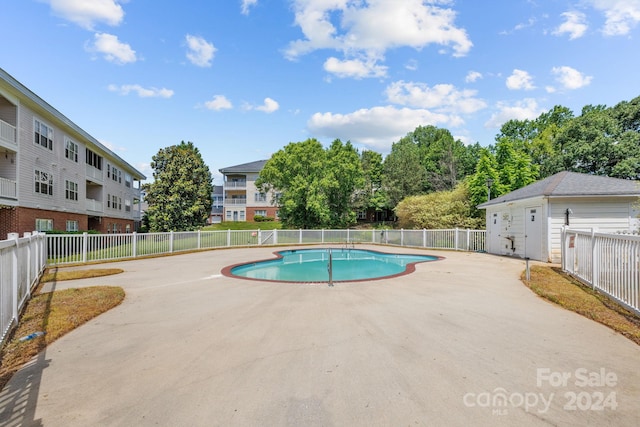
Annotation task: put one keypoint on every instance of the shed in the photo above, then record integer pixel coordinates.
(528, 222)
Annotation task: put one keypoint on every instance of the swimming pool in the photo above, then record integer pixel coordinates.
(312, 265)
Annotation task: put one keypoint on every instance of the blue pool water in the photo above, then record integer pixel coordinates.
(311, 265)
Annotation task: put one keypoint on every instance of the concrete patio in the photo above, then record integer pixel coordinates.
(458, 342)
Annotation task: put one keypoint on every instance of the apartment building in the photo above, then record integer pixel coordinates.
(54, 175)
(217, 205)
(242, 199)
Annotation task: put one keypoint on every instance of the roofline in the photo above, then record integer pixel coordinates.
(41, 103)
(557, 196)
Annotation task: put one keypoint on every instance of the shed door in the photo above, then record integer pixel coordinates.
(533, 233)
(495, 222)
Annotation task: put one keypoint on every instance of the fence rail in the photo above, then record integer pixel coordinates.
(607, 262)
(71, 249)
(22, 260)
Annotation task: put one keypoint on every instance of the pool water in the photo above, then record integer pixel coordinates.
(311, 265)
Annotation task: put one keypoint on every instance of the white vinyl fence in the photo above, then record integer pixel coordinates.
(22, 260)
(607, 262)
(81, 248)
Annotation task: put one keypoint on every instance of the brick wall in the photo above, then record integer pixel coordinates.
(20, 220)
(8, 221)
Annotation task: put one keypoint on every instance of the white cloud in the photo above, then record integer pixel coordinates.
(218, 103)
(246, 5)
(574, 25)
(112, 49)
(370, 28)
(87, 13)
(520, 79)
(570, 78)
(442, 97)
(354, 68)
(411, 64)
(472, 76)
(526, 109)
(269, 106)
(376, 127)
(200, 51)
(621, 15)
(142, 92)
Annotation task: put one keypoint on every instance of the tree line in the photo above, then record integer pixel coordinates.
(429, 179)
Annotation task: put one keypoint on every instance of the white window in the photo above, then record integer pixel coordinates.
(228, 215)
(362, 214)
(44, 224)
(127, 205)
(71, 150)
(241, 215)
(108, 200)
(127, 180)
(44, 183)
(71, 190)
(43, 134)
(261, 212)
(260, 197)
(72, 225)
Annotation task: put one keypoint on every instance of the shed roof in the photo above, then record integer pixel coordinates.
(245, 167)
(570, 184)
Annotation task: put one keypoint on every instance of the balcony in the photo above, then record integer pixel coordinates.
(8, 133)
(95, 174)
(235, 202)
(93, 205)
(231, 185)
(8, 189)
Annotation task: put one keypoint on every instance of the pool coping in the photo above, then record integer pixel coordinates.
(410, 268)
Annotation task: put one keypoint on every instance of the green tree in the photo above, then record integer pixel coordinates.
(372, 195)
(486, 179)
(404, 174)
(441, 209)
(315, 185)
(179, 197)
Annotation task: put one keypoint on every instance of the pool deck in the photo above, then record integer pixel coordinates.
(458, 342)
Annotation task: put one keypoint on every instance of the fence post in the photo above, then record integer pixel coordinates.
(468, 239)
(595, 260)
(402, 237)
(134, 244)
(85, 244)
(14, 276)
(373, 236)
(29, 243)
(424, 237)
(455, 239)
(229, 237)
(171, 241)
(198, 239)
(347, 235)
(259, 237)
(300, 236)
(275, 236)
(322, 235)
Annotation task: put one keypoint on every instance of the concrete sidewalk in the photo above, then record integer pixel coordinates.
(458, 342)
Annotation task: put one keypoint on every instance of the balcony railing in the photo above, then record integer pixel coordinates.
(93, 205)
(8, 189)
(235, 202)
(95, 174)
(235, 184)
(8, 133)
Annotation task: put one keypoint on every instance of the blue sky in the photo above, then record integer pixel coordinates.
(243, 78)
